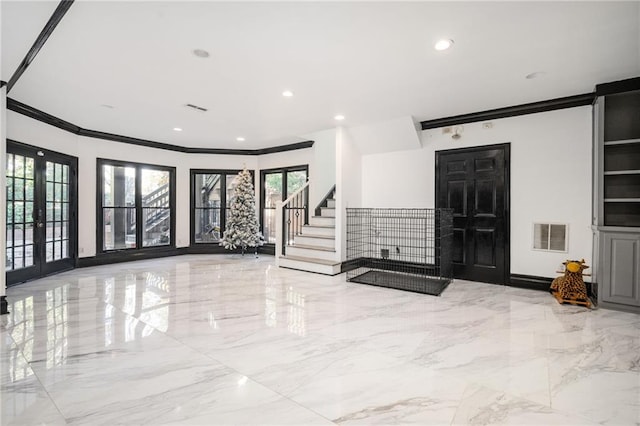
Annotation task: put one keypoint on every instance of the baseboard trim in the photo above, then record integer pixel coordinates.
(542, 283)
(530, 281)
(4, 306)
(127, 256)
(124, 256)
(350, 265)
(268, 249)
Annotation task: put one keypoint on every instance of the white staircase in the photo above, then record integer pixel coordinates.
(314, 247)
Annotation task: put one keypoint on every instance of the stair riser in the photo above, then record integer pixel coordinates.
(327, 212)
(315, 254)
(329, 232)
(331, 203)
(322, 221)
(310, 267)
(311, 241)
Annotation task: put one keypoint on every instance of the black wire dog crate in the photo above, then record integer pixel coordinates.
(405, 249)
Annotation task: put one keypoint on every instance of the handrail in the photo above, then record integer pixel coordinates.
(302, 188)
(323, 202)
(292, 214)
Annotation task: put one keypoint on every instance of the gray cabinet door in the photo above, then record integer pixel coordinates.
(621, 266)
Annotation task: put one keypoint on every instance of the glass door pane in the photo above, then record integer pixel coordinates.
(272, 194)
(295, 181)
(57, 219)
(118, 207)
(156, 209)
(20, 209)
(207, 195)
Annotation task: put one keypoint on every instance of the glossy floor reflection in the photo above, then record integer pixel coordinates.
(213, 340)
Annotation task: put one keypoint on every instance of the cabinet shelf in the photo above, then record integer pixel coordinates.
(623, 142)
(622, 200)
(621, 157)
(622, 172)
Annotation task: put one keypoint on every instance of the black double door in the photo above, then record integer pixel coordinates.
(474, 183)
(41, 212)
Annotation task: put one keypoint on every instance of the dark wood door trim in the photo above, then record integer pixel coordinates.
(506, 148)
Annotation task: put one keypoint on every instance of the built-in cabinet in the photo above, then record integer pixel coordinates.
(620, 267)
(616, 206)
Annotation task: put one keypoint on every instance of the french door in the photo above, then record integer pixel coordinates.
(41, 212)
(278, 185)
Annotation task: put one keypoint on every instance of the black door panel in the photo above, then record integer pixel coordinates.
(474, 183)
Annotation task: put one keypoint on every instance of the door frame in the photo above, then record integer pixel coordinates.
(506, 148)
(284, 171)
(22, 149)
(213, 246)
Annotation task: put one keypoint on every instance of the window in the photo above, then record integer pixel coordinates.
(278, 185)
(550, 237)
(211, 193)
(138, 205)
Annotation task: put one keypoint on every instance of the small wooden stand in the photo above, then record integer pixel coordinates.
(581, 302)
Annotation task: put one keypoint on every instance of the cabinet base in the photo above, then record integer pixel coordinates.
(619, 307)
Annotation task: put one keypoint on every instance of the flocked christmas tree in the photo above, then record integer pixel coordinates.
(242, 228)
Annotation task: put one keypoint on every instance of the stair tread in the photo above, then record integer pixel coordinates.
(323, 237)
(319, 248)
(323, 217)
(329, 208)
(319, 226)
(311, 260)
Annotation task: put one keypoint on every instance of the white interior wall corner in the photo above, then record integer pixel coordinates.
(398, 134)
(322, 165)
(348, 185)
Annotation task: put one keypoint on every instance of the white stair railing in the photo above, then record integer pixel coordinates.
(291, 215)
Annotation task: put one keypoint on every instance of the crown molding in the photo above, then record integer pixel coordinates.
(618, 86)
(512, 111)
(36, 114)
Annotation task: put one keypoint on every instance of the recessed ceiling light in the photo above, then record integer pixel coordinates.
(201, 53)
(287, 93)
(240, 139)
(534, 75)
(443, 44)
(177, 129)
(339, 117)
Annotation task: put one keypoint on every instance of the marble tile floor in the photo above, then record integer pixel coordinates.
(226, 340)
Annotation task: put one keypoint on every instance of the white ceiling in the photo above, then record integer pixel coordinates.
(371, 62)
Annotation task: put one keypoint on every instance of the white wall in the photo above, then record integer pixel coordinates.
(26, 130)
(322, 166)
(349, 185)
(550, 179)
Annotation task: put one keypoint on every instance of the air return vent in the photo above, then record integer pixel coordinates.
(550, 236)
(196, 107)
